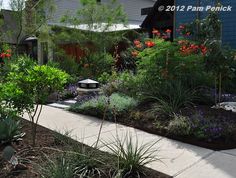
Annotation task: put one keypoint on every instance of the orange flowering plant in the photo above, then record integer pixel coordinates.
(159, 59)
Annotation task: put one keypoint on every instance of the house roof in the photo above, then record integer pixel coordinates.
(100, 27)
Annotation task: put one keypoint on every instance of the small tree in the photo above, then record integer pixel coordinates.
(219, 58)
(28, 88)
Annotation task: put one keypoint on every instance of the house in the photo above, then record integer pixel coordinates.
(143, 14)
(12, 34)
(191, 10)
(136, 11)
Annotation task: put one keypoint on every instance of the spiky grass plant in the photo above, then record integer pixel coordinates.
(131, 156)
(173, 97)
(61, 167)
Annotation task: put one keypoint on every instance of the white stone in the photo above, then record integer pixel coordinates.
(229, 106)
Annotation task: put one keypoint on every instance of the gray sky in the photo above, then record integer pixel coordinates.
(5, 4)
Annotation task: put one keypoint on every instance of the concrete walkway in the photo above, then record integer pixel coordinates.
(180, 160)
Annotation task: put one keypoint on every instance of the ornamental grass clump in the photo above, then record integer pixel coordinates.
(132, 156)
(172, 98)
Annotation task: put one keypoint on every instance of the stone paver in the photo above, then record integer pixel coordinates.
(80, 127)
(58, 105)
(217, 165)
(231, 152)
(179, 159)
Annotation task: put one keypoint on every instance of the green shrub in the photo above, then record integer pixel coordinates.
(28, 87)
(180, 125)
(125, 82)
(95, 64)
(119, 104)
(17, 64)
(69, 65)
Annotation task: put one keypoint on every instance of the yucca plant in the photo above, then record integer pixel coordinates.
(131, 156)
(88, 163)
(61, 167)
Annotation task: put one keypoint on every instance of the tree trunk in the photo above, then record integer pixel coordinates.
(220, 86)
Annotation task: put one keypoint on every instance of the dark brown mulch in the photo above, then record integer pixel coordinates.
(45, 139)
(148, 125)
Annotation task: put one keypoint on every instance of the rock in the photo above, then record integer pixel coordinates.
(229, 106)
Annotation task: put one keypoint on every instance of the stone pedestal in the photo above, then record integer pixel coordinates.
(83, 91)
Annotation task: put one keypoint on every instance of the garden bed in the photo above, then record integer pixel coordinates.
(150, 127)
(148, 124)
(47, 144)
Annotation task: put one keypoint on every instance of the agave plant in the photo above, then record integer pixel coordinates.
(10, 129)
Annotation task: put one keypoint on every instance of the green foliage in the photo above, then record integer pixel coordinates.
(95, 64)
(80, 160)
(164, 62)
(28, 85)
(97, 17)
(207, 29)
(171, 98)
(125, 82)
(131, 156)
(220, 61)
(180, 125)
(10, 128)
(118, 104)
(61, 167)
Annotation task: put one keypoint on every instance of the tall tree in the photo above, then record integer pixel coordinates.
(17, 7)
(96, 19)
(31, 17)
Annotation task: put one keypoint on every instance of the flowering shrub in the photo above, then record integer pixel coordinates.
(6, 53)
(201, 127)
(209, 128)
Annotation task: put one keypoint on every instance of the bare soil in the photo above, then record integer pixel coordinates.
(47, 144)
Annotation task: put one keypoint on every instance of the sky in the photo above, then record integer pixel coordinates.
(5, 4)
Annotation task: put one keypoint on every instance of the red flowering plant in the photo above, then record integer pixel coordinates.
(160, 60)
(185, 30)
(188, 47)
(141, 44)
(5, 54)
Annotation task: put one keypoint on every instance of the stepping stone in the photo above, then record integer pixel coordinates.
(59, 106)
(229, 106)
(69, 102)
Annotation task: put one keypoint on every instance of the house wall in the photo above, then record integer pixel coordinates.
(228, 18)
(229, 24)
(64, 7)
(133, 9)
